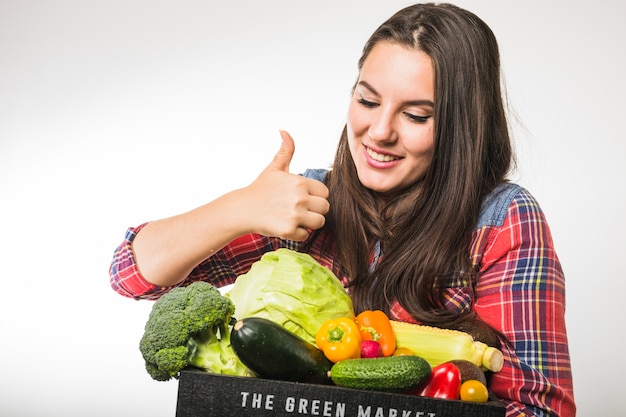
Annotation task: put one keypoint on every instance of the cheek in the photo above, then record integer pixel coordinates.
(357, 123)
(423, 145)
(354, 129)
(351, 141)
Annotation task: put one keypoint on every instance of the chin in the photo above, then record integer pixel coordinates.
(375, 185)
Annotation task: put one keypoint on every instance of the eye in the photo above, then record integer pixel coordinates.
(367, 103)
(416, 118)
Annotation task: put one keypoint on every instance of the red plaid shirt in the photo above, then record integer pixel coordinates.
(520, 291)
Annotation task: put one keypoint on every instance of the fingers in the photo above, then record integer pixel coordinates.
(317, 188)
(318, 205)
(287, 205)
(307, 214)
(282, 159)
(299, 235)
(314, 216)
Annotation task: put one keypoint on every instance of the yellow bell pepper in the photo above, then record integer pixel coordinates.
(339, 339)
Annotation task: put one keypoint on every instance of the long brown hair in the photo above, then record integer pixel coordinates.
(425, 231)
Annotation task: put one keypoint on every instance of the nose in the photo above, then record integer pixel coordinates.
(381, 128)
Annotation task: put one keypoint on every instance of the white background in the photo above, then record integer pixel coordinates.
(117, 112)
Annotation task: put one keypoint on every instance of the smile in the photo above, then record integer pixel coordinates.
(379, 157)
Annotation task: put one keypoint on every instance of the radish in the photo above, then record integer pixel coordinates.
(371, 349)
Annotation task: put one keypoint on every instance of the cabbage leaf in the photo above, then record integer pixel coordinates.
(292, 289)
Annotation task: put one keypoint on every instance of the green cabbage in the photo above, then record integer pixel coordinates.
(293, 290)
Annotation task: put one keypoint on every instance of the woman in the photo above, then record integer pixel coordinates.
(416, 216)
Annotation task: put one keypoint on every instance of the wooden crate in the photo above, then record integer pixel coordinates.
(201, 394)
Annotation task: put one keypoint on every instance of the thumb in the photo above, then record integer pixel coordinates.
(282, 159)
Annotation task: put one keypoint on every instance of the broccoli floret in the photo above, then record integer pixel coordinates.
(190, 326)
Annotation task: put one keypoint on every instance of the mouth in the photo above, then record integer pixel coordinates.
(380, 157)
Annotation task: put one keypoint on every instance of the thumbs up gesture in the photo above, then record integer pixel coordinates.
(283, 204)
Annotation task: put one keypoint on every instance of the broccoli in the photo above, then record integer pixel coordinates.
(190, 326)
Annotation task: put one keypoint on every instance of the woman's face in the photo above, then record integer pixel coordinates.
(390, 118)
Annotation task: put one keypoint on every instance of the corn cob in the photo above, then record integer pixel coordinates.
(437, 345)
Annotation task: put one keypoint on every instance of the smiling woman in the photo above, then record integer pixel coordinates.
(390, 125)
(416, 218)
(116, 112)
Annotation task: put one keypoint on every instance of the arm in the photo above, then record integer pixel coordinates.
(277, 203)
(221, 269)
(521, 292)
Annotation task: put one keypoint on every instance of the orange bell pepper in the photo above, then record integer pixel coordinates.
(375, 325)
(339, 339)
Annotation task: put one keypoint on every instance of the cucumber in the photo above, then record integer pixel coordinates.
(389, 373)
(273, 352)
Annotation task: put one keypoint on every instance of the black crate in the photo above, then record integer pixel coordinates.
(201, 394)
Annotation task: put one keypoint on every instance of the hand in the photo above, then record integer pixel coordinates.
(283, 204)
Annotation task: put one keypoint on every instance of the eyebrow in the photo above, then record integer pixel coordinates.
(410, 103)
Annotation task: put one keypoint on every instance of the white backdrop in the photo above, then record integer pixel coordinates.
(117, 112)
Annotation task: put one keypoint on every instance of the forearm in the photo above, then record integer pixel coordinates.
(276, 204)
(167, 250)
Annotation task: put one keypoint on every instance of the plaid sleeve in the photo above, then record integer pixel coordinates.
(220, 270)
(125, 277)
(521, 292)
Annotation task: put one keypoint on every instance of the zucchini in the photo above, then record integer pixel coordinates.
(389, 373)
(273, 352)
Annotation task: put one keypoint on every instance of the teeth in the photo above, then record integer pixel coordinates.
(381, 157)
